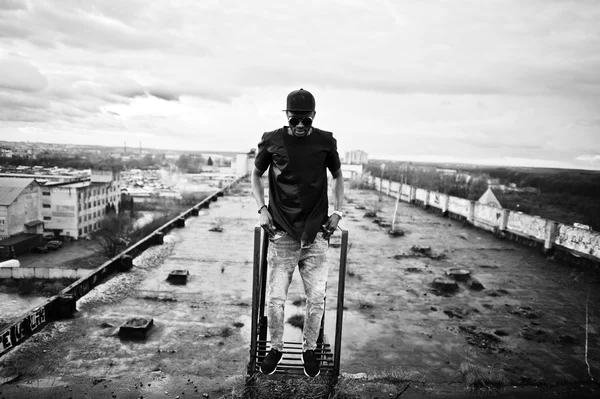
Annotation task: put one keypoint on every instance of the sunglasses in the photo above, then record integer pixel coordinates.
(295, 121)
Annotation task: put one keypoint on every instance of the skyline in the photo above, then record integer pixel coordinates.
(490, 83)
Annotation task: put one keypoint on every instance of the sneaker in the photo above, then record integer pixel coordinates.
(270, 362)
(312, 364)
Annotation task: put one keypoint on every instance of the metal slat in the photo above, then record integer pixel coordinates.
(255, 298)
(292, 345)
(340, 303)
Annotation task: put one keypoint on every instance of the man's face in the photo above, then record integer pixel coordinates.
(301, 129)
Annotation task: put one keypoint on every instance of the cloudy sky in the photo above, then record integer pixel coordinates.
(512, 82)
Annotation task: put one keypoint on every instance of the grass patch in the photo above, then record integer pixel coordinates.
(296, 320)
(374, 206)
(393, 382)
(365, 305)
(33, 286)
(361, 183)
(27, 286)
(222, 332)
(395, 375)
(351, 269)
(294, 388)
(87, 262)
(483, 380)
(226, 332)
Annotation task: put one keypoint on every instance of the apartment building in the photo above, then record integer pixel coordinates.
(356, 157)
(76, 209)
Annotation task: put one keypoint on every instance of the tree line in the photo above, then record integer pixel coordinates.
(566, 196)
(85, 162)
(429, 178)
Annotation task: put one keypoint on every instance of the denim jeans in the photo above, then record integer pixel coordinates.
(283, 255)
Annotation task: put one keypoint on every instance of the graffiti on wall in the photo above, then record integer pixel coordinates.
(532, 226)
(437, 200)
(488, 214)
(584, 241)
(16, 333)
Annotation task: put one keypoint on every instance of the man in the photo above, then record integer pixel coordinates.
(297, 220)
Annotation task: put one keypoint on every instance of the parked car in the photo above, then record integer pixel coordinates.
(49, 237)
(40, 249)
(54, 244)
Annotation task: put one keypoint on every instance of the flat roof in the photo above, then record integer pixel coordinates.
(17, 239)
(79, 184)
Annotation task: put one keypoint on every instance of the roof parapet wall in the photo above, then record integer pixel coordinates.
(553, 235)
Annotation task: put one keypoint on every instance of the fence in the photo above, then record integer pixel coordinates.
(63, 304)
(547, 233)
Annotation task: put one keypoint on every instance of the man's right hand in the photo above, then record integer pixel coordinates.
(266, 222)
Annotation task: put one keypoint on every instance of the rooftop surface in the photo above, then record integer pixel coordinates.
(528, 320)
(10, 188)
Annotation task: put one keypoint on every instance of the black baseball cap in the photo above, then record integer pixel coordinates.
(300, 101)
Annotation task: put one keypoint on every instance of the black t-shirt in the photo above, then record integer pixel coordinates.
(298, 179)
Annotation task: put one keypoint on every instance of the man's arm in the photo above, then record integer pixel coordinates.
(338, 190)
(265, 219)
(338, 200)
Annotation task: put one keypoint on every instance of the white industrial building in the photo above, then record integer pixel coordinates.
(75, 209)
(19, 206)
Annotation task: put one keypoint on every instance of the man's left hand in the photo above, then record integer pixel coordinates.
(331, 225)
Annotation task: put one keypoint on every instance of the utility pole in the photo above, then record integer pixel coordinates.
(381, 181)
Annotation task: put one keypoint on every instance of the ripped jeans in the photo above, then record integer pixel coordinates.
(283, 255)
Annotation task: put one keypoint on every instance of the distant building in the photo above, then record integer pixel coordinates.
(447, 171)
(19, 206)
(6, 152)
(489, 198)
(351, 171)
(76, 209)
(242, 165)
(356, 157)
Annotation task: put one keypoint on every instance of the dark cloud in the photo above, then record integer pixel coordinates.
(19, 75)
(174, 92)
(164, 95)
(22, 115)
(12, 28)
(13, 5)
(500, 142)
(107, 26)
(371, 81)
(10, 101)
